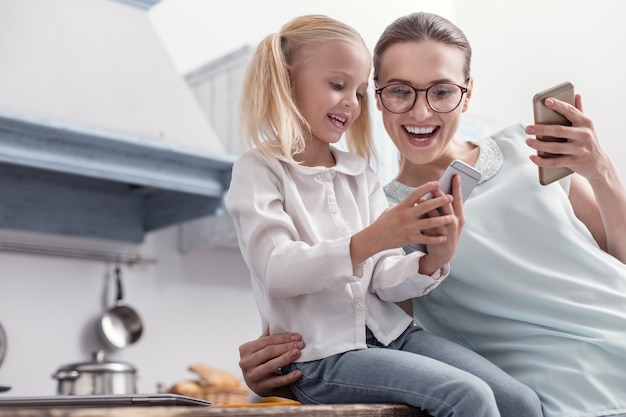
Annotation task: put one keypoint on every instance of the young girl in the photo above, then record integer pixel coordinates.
(322, 249)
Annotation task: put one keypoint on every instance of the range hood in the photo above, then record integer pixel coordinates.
(100, 136)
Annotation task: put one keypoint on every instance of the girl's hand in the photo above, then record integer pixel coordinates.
(414, 219)
(405, 223)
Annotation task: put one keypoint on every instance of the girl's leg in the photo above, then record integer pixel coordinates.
(381, 375)
(514, 399)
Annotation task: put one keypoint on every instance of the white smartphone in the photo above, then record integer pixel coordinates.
(469, 178)
(544, 115)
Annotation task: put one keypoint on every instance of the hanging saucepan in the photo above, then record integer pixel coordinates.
(3, 350)
(120, 325)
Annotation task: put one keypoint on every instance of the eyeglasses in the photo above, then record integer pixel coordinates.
(441, 98)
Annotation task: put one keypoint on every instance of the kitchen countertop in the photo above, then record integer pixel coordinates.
(343, 410)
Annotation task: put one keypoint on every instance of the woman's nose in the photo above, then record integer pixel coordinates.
(421, 108)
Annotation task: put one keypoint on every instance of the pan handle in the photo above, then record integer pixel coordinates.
(118, 280)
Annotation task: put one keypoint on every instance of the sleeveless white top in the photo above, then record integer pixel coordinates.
(530, 289)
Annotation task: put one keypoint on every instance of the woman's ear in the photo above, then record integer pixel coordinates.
(377, 98)
(468, 95)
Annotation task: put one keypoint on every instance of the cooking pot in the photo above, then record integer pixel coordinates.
(97, 377)
(120, 325)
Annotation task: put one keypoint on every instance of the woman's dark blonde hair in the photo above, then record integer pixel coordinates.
(270, 117)
(422, 26)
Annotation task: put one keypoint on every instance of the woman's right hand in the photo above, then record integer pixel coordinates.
(261, 359)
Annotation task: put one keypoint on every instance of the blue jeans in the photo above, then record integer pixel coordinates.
(418, 369)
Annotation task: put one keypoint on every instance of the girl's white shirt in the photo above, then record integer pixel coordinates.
(294, 224)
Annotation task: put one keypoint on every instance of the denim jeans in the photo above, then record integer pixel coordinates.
(418, 369)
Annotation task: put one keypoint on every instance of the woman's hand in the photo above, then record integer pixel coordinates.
(261, 359)
(581, 153)
(600, 201)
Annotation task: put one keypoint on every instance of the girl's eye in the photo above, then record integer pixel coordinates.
(359, 96)
(336, 86)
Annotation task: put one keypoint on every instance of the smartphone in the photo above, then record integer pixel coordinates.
(469, 178)
(544, 115)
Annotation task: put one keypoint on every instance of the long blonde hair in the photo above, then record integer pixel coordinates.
(270, 117)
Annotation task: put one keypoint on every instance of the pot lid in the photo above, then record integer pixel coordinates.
(98, 365)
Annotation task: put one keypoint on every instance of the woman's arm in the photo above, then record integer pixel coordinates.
(597, 194)
(261, 359)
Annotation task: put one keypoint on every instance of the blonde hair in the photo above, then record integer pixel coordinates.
(270, 117)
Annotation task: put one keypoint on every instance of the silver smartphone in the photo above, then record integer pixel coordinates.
(469, 178)
(544, 115)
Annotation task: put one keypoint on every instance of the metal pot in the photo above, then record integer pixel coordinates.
(120, 325)
(96, 378)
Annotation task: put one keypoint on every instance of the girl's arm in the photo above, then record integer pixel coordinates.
(405, 223)
(597, 194)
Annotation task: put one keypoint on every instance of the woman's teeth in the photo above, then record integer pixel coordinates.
(420, 130)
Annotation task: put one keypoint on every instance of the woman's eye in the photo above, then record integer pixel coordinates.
(441, 91)
(400, 91)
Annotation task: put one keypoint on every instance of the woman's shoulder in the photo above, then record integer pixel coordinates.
(396, 192)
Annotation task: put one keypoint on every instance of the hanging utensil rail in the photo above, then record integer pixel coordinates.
(120, 258)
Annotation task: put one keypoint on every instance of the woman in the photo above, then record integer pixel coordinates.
(538, 282)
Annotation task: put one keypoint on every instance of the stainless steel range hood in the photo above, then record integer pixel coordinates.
(99, 134)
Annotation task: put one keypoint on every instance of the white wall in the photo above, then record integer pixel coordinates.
(97, 65)
(196, 307)
(524, 47)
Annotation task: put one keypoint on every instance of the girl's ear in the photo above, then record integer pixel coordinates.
(468, 95)
(289, 69)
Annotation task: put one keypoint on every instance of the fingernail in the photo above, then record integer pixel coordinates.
(549, 102)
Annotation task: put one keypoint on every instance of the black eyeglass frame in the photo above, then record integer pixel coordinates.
(379, 91)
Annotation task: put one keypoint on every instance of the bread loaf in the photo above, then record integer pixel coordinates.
(211, 377)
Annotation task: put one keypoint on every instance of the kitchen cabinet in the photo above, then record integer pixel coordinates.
(65, 180)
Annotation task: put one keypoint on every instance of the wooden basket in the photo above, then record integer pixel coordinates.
(218, 395)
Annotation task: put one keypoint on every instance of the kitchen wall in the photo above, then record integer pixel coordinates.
(196, 307)
(63, 63)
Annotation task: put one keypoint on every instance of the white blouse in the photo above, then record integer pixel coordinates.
(294, 224)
